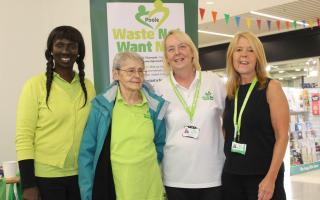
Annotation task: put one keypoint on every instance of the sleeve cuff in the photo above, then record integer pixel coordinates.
(28, 178)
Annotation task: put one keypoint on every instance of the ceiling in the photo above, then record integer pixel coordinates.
(290, 9)
(289, 70)
(299, 10)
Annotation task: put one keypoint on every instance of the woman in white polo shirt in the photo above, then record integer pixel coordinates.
(193, 154)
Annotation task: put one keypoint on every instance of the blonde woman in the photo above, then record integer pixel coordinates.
(193, 154)
(256, 121)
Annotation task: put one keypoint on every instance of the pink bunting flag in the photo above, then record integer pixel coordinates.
(278, 24)
(259, 24)
(202, 11)
(214, 16)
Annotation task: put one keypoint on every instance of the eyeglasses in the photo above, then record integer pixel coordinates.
(132, 71)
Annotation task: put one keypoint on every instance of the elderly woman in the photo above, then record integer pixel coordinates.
(124, 138)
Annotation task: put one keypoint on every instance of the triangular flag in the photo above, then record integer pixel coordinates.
(294, 23)
(318, 21)
(214, 16)
(202, 11)
(248, 22)
(311, 23)
(238, 21)
(269, 24)
(304, 23)
(226, 17)
(278, 24)
(287, 24)
(259, 24)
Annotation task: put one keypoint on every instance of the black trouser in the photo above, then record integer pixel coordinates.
(213, 193)
(62, 188)
(245, 187)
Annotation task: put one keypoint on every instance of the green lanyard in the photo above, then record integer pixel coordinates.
(237, 124)
(191, 110)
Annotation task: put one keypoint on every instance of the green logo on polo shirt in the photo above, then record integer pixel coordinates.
(147, 115)
(208, 96)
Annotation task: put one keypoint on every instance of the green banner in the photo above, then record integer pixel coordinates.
(298, 169)
(99, 31)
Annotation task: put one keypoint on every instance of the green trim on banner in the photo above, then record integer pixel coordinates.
(298, 169)
(99, 35)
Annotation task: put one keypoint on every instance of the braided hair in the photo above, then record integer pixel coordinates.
(72, 34)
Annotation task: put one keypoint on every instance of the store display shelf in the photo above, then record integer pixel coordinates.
(298, 112)
(297, 169)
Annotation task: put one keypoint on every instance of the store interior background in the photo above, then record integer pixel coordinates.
(25, 26)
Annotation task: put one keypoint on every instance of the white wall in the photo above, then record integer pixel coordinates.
(24, 28)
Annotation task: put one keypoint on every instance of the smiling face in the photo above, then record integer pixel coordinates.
(130, 75)
(178, 53)
(64, 53)
(244, 58)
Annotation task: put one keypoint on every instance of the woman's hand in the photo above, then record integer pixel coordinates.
(31, 194)
(266, 189)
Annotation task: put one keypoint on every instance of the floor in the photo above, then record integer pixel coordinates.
(305, 186)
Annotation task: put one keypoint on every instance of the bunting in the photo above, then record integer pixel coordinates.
(226, 18)
(202, 11)
(238, 21)
(294, 23)
(287, 24)
(311, 24)
(259, 24)
(269, 24)
(248, 21)
(278, 24)
(214, 16)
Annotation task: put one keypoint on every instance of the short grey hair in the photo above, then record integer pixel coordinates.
(123, 56)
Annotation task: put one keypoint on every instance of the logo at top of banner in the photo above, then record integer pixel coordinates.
(153, 18)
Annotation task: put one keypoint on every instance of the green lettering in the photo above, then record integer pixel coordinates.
(159, 46)
(123, 46)
(130, 35)
(162, 33)
(119, 33)
(135, 47)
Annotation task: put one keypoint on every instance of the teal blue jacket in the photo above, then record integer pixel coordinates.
(97, 128)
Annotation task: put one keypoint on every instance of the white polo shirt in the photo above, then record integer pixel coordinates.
(189, 162)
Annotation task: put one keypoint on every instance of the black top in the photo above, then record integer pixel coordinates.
(256, 131)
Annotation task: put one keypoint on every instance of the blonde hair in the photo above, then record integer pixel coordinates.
(260, 68)
(185, 39)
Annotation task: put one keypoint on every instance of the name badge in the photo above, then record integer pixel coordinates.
(238, 148)
(191, 132)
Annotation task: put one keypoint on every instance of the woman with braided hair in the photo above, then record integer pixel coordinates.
(51, 115)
